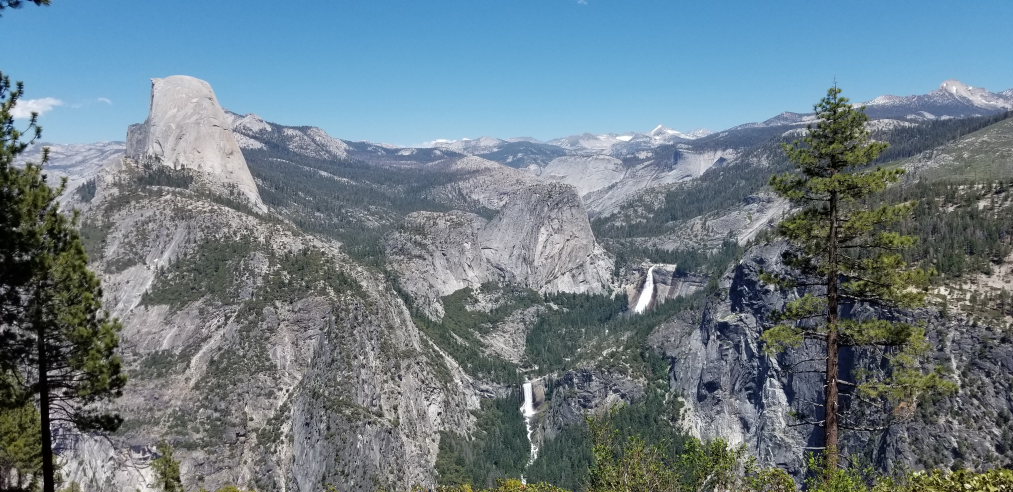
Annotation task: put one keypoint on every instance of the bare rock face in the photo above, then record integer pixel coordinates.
(539, 237)
(187, 128)
(283, 389)
(732, 390)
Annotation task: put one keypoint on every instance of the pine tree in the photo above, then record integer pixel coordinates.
(57, 345)
(166, 469)
(14, 4)
(842, 253)
(20, 456)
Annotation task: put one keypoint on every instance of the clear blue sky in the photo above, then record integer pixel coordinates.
(408, 71)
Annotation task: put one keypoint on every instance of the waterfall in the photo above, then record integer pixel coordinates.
(528, 410)
(646, 294)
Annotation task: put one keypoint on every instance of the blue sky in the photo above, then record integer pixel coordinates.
(408, 71)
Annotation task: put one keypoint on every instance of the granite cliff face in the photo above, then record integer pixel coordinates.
(264, 355)
(187, 128)
(538, 236)
(733, 390)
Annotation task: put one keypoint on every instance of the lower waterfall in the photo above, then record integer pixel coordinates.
(646, 294)
(528, 410)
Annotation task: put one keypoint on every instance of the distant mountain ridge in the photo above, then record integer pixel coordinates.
(953, 99)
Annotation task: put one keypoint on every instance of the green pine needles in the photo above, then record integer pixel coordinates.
(843, 253)
(58, 346)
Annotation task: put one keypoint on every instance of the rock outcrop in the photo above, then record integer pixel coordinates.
(539, 237)
(263, 370)
(733, 390)
(187, 129)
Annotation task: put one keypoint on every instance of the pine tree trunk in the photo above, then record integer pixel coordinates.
(833, 344)
(48, 470)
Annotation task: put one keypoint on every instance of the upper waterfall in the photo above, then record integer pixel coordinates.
(647, 293)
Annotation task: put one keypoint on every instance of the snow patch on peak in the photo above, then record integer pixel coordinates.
(884, 100)
(699, 133)
(480, 145)
(955, 86)
(662, 131)
(975, 96)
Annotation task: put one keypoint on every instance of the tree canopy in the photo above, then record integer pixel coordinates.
(58, 347)
(843, 252)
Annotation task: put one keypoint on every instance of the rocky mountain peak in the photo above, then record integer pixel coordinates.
(955, 86)
(250, 123)
(662, 130)
(975, 96)
(187, 128)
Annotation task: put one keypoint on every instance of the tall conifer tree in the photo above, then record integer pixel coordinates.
(57, 345)
(843, 253)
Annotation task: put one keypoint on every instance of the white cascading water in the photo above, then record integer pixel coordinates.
(528, 410)
(646, 294)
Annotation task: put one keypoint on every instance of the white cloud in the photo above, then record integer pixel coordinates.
(26, 107)
(105, 100)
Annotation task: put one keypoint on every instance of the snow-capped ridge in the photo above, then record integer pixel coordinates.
(975, 96)
(663, 131)
(953, 99)
(478, 145)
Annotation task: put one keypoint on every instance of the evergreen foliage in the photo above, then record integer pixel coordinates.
(458, 332)
(167, 472)
(843, 253)
(506, 485)
(574, 320)
(20, 453)
(498, 448)
(354, 202)
(209, 272)
(86, 192)
(638, 464)
(166, 469)
(717, 189)
(907, 141)
(687, 261)
(995, 480)
(566, 459)
(971, 237)
(57, 345)
(15, 4)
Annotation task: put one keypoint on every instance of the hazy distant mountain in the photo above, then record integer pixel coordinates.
(607, 143)
(953, 99)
